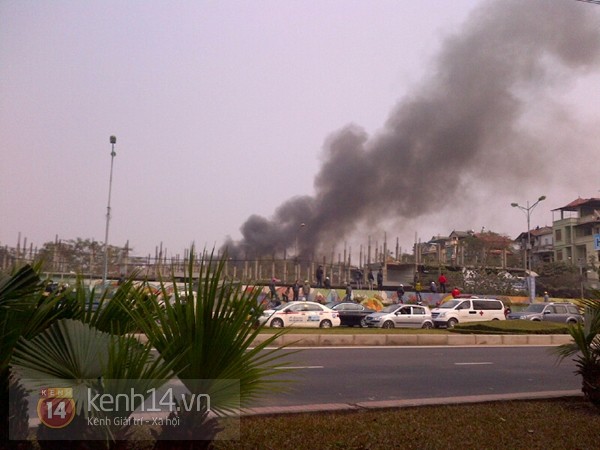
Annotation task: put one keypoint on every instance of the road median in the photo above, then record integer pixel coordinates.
(381, 340)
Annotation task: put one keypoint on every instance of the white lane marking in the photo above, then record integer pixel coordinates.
(474, 364)
(300, 367)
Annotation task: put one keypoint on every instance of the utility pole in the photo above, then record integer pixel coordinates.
(113, 141)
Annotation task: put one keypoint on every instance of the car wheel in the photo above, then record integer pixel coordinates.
(325, 324)
(388, 324)
(452, 322)
(571, 322)
(363, 323)
(427, 325)
(495, 318)
(277, 323)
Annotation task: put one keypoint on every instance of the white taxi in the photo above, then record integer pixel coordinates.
(300, 314)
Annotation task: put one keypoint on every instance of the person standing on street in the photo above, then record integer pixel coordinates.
(371, 279)
(400, 293)
(348, 297)
(442, 280)
(418, 289)
(306, 290)
(319, 276)
(296, 291)
(272, 290)
(380, 279)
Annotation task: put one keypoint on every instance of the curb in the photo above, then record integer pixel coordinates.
(349, 340)
(408, 403)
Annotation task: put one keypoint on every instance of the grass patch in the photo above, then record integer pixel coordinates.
(511, 327)
(543, 424)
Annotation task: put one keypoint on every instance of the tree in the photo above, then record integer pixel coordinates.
(559, 279)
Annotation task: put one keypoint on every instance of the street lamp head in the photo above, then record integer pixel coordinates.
(543, 197)
(514, 205)
(113, 139)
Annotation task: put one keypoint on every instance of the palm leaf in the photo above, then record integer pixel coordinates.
(74, 354)
(215, 332)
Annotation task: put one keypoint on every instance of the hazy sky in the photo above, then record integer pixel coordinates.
(227, 110)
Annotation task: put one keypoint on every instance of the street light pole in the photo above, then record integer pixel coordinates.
(527, 210)
(113, 141)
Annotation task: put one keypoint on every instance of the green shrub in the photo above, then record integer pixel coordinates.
(511, 327)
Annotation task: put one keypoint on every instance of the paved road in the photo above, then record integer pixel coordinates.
(354, 375)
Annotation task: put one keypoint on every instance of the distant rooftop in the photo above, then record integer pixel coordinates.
(580, 202)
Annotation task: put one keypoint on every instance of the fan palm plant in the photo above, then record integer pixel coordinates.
(212, 324)
(77, 337)
(586, 351)
(91, 363)
(23, 311)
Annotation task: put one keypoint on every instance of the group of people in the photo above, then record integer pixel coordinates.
(293, 292)
(326, 283)
(433, 288)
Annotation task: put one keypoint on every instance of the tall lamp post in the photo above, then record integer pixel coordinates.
(527, 210)
(113, 141)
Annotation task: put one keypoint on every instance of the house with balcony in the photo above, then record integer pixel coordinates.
(540, 244)
(576, 231)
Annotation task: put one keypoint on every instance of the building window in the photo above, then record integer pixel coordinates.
(559, 255)
(558, 235)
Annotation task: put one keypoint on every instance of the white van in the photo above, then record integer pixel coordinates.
(467, 310)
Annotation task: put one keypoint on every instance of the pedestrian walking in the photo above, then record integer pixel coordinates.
(327, 283)
(433, 287)
(371, 279)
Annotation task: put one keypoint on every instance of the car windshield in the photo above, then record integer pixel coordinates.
(451, 304)
(536, 308)
(389, 309)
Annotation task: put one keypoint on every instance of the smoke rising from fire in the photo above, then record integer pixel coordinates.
(465, 122)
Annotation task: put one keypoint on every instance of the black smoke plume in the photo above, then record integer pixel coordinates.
(465, 122)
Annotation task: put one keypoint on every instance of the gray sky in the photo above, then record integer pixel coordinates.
(228, 111)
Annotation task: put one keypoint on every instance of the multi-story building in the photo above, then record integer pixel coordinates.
(577, 236)
(541, 246)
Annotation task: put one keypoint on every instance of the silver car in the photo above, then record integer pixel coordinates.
(552, 312)
(401, 316)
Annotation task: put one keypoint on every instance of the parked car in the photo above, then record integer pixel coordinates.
(300, 314)
(552, 312)
(402, 316)
(473, 309)
(351, 314)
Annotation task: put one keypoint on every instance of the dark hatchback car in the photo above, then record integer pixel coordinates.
(351, 314)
